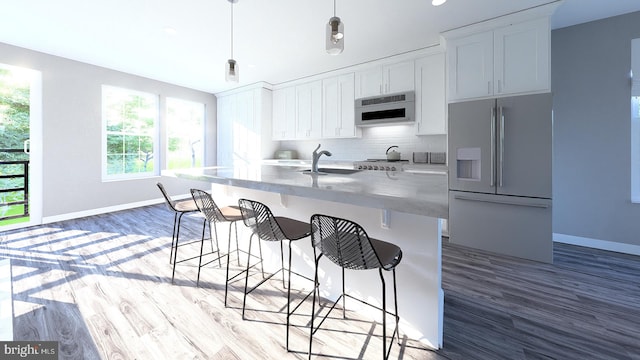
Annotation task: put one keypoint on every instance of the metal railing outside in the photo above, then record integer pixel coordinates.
(12, 189)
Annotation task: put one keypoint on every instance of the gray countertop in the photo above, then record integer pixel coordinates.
(414, 193)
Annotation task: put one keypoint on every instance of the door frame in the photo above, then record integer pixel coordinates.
(36, 149)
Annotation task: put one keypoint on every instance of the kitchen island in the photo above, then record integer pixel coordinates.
(402, 208)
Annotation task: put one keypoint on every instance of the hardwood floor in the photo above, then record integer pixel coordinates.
(584, 306)
(101, 286)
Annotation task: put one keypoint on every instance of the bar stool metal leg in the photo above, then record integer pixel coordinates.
(173, 236)
(384, 317)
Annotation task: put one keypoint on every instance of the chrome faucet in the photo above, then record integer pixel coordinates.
(316, 156)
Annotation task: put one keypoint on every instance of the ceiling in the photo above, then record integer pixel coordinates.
(274, 40)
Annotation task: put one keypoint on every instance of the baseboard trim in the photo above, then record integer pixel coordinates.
(597, 244)
(104, 210)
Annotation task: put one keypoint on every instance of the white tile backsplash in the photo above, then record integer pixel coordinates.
(372, 145)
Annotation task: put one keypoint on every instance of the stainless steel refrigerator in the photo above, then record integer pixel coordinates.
(500, 154)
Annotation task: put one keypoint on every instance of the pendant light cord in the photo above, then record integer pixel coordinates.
(334, 8)
(232, 29)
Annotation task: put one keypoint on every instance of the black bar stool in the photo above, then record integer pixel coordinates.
(347, 245)
(267, 227)
(213, 215)
(178, 208)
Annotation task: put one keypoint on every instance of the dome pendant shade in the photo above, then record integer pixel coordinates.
(335, 36)
(232, 73)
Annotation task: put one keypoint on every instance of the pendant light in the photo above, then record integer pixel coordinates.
(231, 70)
(335, 34)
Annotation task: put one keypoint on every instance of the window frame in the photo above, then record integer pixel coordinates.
(155, 133)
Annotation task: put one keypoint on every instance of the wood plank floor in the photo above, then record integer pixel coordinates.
(101, 286)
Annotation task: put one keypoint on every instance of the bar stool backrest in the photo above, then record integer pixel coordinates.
(167, 199)
(260, 219)
(344, 242)
(207, 206)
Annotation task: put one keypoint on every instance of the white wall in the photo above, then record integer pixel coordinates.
(72, 132)
(372, 145)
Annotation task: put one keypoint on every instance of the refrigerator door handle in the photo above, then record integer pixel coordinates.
(493, 147)
(501, 150)
(500, 202)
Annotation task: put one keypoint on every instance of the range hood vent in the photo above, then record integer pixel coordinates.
(390, 109)
(384, 100)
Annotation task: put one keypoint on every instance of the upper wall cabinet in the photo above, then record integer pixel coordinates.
(507, 60)
(338, 107)
(284, 113)
(319, 109)
(309, 110)
(470, 66)
(522, 60)
(385, 79)
(431, 103)
(297, 112)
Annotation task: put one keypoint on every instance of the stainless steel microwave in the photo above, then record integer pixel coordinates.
(388, 109)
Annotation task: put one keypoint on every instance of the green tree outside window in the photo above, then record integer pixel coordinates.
(131, 119)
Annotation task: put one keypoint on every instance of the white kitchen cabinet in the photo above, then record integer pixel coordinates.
(225, 116)
(284, 113)
(431, 102)
(470, 66)
(368, 82)
(244, 127)
(338, 107)
(309, 110)
(504, 61)
(385, 79)
(522, 58)
(398, 77)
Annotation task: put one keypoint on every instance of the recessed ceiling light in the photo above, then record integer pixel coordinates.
(438, 2)
(170, 31)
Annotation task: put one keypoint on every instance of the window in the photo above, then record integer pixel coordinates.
(185, 129)
(130, 123)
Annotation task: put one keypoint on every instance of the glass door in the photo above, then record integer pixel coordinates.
(20, 176)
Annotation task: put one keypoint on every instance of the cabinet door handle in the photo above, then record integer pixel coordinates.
(489, 87)
(340, 105)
